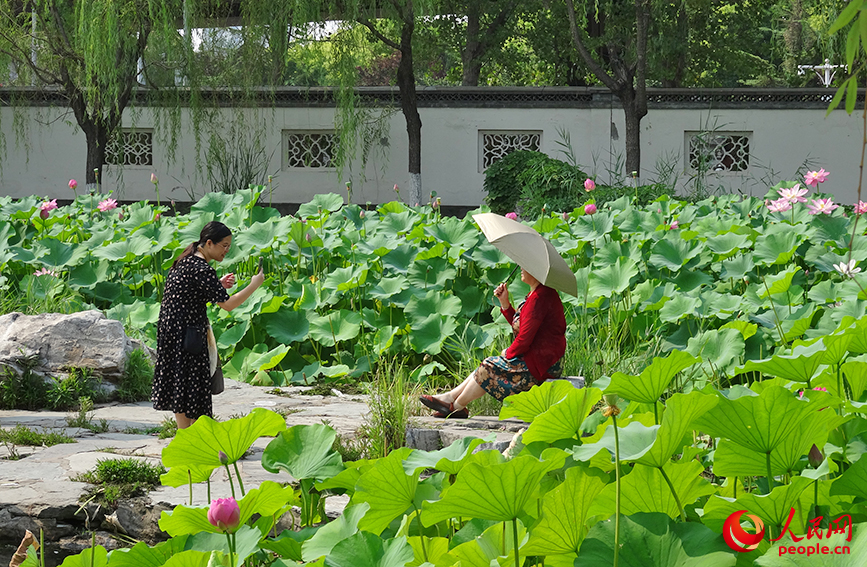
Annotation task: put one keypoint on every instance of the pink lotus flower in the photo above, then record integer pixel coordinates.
(45, 272)
(589, 209)
(46, 208)
(565, 216)
(513, 216)
(73, 184)
(107, 205)
(224, 514)
(794, 194)
(154, 179)
(823, 206)
(813, 178)
(589, 185)
(396, 190)
(673, 225)
(779, 206)
(860, 208)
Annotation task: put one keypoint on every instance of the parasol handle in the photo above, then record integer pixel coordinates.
(512, 273)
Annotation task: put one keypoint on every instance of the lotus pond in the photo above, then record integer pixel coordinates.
(731, 354)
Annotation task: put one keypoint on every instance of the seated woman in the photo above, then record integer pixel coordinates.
(533, 357)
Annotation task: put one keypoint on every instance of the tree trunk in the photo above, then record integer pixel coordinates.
(409, 106)
(472, 51)
(97, 140)
(633, 131)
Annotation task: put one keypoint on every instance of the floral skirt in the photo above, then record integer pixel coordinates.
(501, 377)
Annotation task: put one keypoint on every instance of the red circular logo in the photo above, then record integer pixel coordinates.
(737, 538)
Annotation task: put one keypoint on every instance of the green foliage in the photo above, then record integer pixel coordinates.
(23, 435)
(79, 383)
(117, 479)
(548, 184)
(502, 180)
(137, 380)
(22, 390)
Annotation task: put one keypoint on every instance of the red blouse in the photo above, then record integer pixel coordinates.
(541, 337)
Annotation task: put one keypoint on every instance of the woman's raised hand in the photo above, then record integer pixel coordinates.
(228, 281)
(259, 278)
(502, 293)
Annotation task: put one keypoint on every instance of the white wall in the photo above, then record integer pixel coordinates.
(44, 149)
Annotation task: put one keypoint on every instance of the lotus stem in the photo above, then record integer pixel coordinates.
(240, 482)
(770, 476)
(673, 493)
(617, 490)
(190, 482)
(515, 533)
(420, 532)
(231, 484)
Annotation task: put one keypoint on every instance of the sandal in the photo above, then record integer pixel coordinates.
(434, 404)
(455, 414)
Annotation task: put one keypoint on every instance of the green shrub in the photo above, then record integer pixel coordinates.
(138, 376)
(549, 184)
(80, 383)
(120, 478)
(501, 180)
(22, 391)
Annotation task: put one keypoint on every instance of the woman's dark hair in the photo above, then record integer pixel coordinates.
(213, 231)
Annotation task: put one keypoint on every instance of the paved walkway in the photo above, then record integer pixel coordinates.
(36, 490)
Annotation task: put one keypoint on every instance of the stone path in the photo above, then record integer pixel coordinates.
(36, 491)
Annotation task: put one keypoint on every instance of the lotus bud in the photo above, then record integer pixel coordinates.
(815, 457)
(396, 190)
(307, 236)
(223, 457)
(513, 216)
(589, 209)
(73, 184)
(589, 185)
(120, 215)
(565, 216)
(44, 214)
(154, 179)
(361, 214)
(225, 514)
(157, 217)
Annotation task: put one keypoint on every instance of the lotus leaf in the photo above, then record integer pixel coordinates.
(330, 202)
(535, 401)
(564, 513)
(612, 279)
(673, 252)
(799, 366)
(653, 380)
(333, 533)
(563, 419)
(141, 555)
(653, 539)
(496, 546)
(645, 490)
(494, 492)
(386, 505)
(201, 443)
(304, 451)
(430, 334)
(336, 326)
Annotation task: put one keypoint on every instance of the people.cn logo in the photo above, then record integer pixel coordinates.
(737, 538)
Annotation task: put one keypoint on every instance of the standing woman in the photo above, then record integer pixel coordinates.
(182, 380)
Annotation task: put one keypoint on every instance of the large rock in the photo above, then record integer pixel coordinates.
(56, 342)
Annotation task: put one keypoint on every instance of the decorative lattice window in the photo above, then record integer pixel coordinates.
(309, 149)
(496, 144)
(718, 151)
(131, 147)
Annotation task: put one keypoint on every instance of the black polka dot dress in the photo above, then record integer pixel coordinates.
(182, 381)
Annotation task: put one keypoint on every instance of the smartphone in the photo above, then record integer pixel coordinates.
(259, 269)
